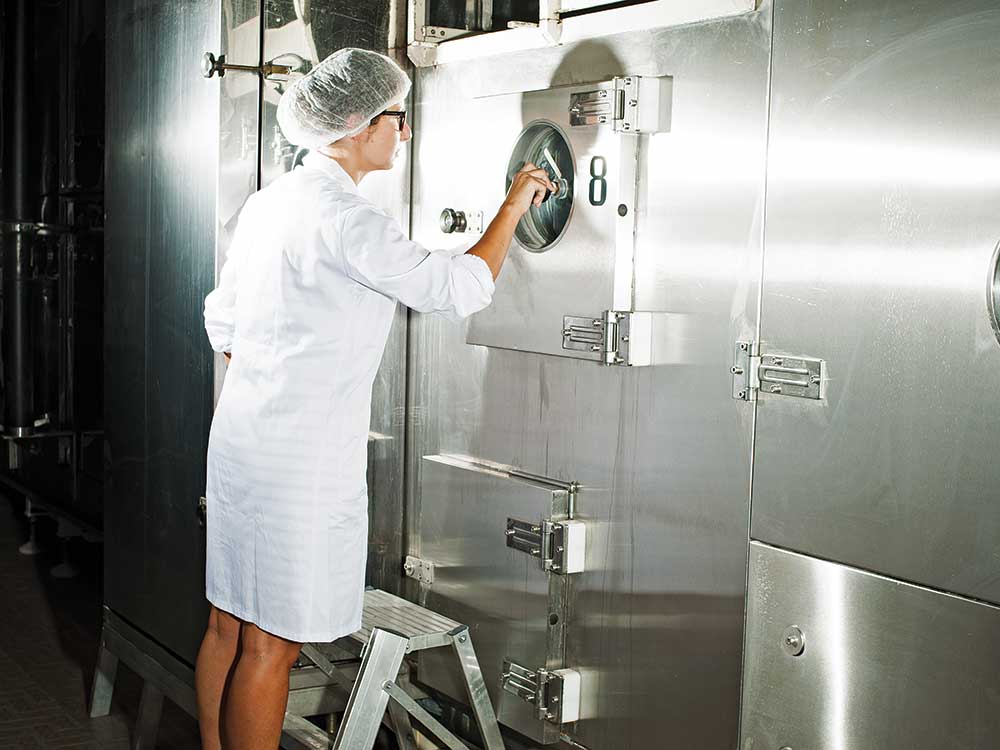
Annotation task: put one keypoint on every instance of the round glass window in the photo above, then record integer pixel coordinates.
(544, 145)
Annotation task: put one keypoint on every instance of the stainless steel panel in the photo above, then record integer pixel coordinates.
(664, 451)
(576, 274)
(885, 664)
(501, 592)
(881, 225)
(162, 160)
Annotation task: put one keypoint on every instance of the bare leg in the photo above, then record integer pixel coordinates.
(257, 696)
(216, 659)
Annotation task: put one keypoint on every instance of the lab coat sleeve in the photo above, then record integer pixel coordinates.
(220, 304)
(378, 255)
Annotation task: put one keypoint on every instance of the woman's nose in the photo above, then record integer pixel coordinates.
(407, 132)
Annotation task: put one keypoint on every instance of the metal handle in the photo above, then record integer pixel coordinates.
(210, 65)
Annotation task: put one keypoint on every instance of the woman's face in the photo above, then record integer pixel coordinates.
(384, 138)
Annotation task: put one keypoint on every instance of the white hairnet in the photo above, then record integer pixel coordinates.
(340, 96)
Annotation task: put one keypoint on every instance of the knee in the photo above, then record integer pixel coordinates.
(261, 646)
(223, 628)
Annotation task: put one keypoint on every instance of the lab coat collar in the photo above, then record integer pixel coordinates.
(316, 160)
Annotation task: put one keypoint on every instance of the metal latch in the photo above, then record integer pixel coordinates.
(560, 546)
(777, 374)
(555, 693)
(420, 570)
(611, 336)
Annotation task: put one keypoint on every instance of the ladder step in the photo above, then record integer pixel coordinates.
(424, 628)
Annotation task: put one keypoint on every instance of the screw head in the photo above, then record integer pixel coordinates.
(793, 641)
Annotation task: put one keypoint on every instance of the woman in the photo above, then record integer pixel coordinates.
(304, 306)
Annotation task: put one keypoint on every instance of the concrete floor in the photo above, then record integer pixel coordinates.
(49, 632)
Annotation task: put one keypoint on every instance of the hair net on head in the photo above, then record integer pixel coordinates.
(340, 96)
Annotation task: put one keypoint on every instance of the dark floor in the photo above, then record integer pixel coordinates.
(49, 631)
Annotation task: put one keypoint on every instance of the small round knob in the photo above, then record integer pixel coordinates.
(452, 221)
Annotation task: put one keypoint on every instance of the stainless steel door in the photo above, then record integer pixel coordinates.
(664, 451)
(882, 222)
(162, 160)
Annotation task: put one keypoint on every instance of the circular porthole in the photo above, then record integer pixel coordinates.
(544, 145)
(993, 292)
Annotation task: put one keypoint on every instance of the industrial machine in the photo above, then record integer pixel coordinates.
(715, 469)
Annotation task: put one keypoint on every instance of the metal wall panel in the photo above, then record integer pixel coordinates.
(883, 186)
(162, 122)
(662, 452)
(885, 664)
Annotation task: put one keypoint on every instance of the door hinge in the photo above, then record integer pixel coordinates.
(634, 104)
(560, 546)
(776, 374)
(554, 693)
(620, 337)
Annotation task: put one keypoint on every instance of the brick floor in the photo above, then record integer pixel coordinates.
(49, 632)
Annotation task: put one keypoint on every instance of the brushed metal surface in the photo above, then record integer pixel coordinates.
(503, 593)
(162, 159)
(881, 225)
(663, 451)
(576, 274)
(885, 665)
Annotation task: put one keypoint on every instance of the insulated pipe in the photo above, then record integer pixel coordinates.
(17, 235)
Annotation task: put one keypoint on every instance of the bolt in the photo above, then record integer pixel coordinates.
(625, 339)
(387, 684)
(743, 394)
(775, 389)
(595, 348)
(567, 332)
(597, 322)
(779, 361)
(743, 347)
(461, 639)
(737, 371)
(814, 379)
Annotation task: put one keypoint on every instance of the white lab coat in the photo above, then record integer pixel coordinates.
(304, 303)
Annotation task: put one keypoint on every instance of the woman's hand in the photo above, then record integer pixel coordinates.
(529, 187)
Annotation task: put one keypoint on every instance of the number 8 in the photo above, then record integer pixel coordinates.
(597, 178)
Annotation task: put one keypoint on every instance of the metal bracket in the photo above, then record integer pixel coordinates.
(555, 694)
(420, 570)
(559, 545)
(775, 374)
(634, 104)
(610, 336)
(210, 65)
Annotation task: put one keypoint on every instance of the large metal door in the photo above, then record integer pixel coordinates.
(882, 224)
(161, 169)
(662, 453)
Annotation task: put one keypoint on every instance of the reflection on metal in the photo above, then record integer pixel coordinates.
(882, 664)
(993, 292)
(516, 606)
(587, 229)
(543, 145)
(886, 282)
(775, 374)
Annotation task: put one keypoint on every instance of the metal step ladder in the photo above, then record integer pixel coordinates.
(391, 628)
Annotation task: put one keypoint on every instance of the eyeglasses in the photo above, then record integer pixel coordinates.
(399, 115)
